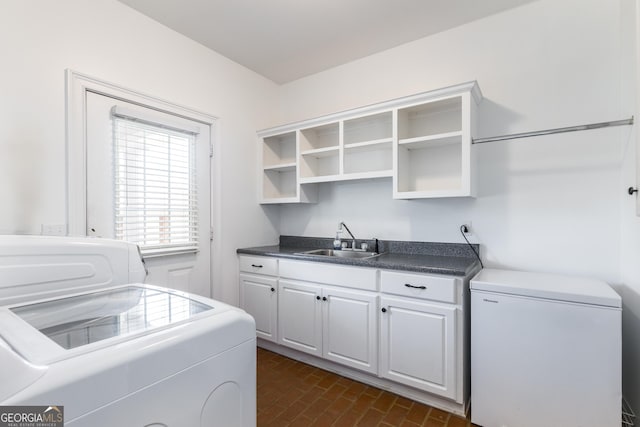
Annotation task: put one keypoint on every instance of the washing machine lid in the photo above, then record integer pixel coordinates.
(45, 330)
(548, 286)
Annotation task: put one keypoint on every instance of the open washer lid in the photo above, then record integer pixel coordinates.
(47, 330)
(549, 286)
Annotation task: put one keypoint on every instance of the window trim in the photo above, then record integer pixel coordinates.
(77, 87)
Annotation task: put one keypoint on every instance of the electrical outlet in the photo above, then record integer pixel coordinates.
(466, 228)
(54, 230)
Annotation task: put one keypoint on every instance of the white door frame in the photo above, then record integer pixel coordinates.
(77, 86)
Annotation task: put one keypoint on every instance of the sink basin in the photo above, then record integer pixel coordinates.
(341, 254)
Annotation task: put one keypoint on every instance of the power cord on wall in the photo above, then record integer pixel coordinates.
(464, 229)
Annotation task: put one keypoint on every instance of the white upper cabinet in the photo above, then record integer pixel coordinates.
(320, 153)
(433, 156)
(279, 170)
(367, 146)
(422, 141)
(279, 165)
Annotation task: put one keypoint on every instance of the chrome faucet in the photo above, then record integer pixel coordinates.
(353, 241)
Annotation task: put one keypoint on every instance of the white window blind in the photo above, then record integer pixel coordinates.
(155, 187)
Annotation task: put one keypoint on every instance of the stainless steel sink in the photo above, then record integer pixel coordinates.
(341, 254)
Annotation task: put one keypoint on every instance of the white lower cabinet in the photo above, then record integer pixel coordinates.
(300, 315)
(337, 324)
(258, 293)
(418, 345)
(350, 328)
(403, 331)
(258, 297)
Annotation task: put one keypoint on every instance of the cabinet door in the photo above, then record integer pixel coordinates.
(350, 328)
(258, 297)
(300, 316)
(417, 345)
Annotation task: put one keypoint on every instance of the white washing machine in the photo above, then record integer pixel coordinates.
(545, 351)
(79, 330)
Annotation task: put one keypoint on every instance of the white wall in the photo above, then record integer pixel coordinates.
(39, 39)
(548, 203)
(630, 222)
(554, 203)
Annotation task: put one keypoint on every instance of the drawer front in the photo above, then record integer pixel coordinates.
(419, 286)
(330, 274)
(259, 265)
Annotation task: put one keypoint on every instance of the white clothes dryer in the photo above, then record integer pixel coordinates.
(75, 331)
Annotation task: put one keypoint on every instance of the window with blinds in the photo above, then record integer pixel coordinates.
(155, 187)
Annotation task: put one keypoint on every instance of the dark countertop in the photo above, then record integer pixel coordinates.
(437, 258)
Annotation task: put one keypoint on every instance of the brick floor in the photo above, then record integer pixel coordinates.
(292, 393)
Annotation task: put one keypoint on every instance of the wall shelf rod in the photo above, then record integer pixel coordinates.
(625, 122)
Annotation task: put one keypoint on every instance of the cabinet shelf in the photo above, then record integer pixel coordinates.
(319, 179)
(430, 194)
(368, 175)
(279, 200)
(347, 177)
(321, 152)
(285, 167)
(431, 140)
(368, 145)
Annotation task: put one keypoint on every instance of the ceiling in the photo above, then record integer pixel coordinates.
(285, 40)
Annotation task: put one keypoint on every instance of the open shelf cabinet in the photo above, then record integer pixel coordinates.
(279, 170)
(373, 158)
(433, 156)
(430, 119)
(318, 137)
(320, 163)
(279, 184)
(423, 142)
(367, 145)
(279, 150)
(369, 128)
(433, 166)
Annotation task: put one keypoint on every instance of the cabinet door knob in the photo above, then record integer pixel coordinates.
(318, 297)
(324, 298)
(384, 310)
(256, 265)
(408, 285)
(273, 289)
